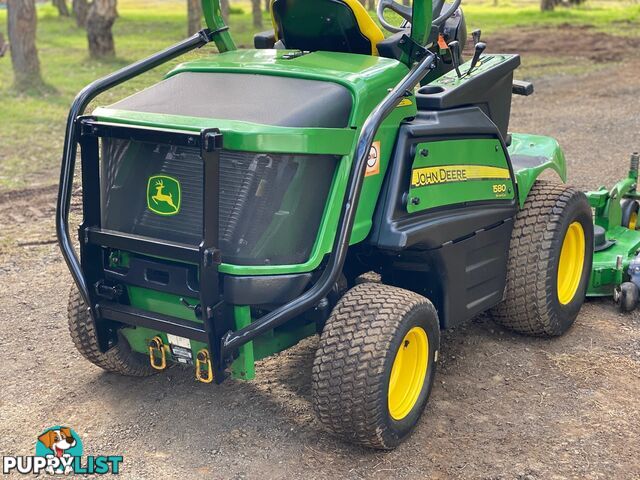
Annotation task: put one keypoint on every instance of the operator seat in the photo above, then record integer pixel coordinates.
(329, 25)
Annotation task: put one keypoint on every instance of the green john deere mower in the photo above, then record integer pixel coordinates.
(232, 209)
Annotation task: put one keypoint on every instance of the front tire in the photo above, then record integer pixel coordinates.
(550, 260)
(375, 366)
(119, 359)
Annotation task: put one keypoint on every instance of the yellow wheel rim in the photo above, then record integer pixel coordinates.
(633, 221)
(408, 373)
(571, 263)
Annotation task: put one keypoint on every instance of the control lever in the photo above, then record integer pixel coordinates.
(197, 309)
(480, 48)
(476, 35)
(454, 48)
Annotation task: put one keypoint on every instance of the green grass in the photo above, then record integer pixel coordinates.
(616, 18)
(32, 125)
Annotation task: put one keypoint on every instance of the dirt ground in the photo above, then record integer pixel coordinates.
(503, 407)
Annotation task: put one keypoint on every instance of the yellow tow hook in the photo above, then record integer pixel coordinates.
(204, 372)
(157, 354)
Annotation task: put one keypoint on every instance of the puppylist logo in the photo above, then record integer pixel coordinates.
(59, 451)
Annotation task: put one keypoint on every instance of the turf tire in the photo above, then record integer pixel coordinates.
(629, 208)
(119, 359)
(531, 304)
(352, 366)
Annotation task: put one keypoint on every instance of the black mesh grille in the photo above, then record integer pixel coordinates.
(270, 205)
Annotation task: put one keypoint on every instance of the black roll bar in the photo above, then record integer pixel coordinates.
(71, 143)
(230, 341)
(335, 263)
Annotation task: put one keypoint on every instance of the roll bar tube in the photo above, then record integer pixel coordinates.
(71, 141)
(335, 263)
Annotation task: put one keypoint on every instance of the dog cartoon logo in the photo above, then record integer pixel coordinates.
(163, 195)
(59, 451)
(62, 443)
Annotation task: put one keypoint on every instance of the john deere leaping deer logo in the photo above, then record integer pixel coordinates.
(163, 195)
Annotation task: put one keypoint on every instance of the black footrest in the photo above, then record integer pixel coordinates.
(155, 321)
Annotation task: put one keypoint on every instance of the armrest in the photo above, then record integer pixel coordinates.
(264, 39)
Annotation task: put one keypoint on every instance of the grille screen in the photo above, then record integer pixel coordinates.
(270, 210)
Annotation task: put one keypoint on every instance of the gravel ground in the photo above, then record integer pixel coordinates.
(503, 407)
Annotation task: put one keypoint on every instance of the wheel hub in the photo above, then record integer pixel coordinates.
(571, 263)
(408, 373)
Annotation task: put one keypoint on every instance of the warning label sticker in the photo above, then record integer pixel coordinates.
(180, 349)
(373, 163)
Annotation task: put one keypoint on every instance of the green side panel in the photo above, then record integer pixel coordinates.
(158, 302)
(457, 171)
(245, 136)
(604, 274)
(281, 339)
(243, 367)
(385, 141)
(537, 147)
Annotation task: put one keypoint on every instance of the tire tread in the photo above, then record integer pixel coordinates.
(119, 359)
(348, 370)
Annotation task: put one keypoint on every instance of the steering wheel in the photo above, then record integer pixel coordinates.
(406, 13)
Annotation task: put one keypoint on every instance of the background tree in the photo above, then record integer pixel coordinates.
(371, 4)
(547, 5)
(194, 14)
(226, 10)
(256, 9)
(267, 6)
(100, 19)
(80, 10)
(61, 5)
(22, 22)
(4, 46)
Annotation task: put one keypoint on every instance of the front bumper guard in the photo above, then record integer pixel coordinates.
(217, 328)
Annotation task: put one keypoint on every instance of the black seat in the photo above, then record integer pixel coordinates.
(329, 25)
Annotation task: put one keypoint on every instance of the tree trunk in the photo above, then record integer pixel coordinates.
(61, 5)
(267, 6)
(80, 9)
(194, 9)
(22, 21)
(256, 8)
(372, 5)
(547, 5)
(225, 7)
(101, 17)
(4, 46)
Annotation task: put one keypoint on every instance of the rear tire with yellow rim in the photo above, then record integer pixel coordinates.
(375, 365)
(550, 260)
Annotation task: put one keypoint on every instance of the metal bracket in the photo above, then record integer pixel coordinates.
(412, 49)
(212, 140)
